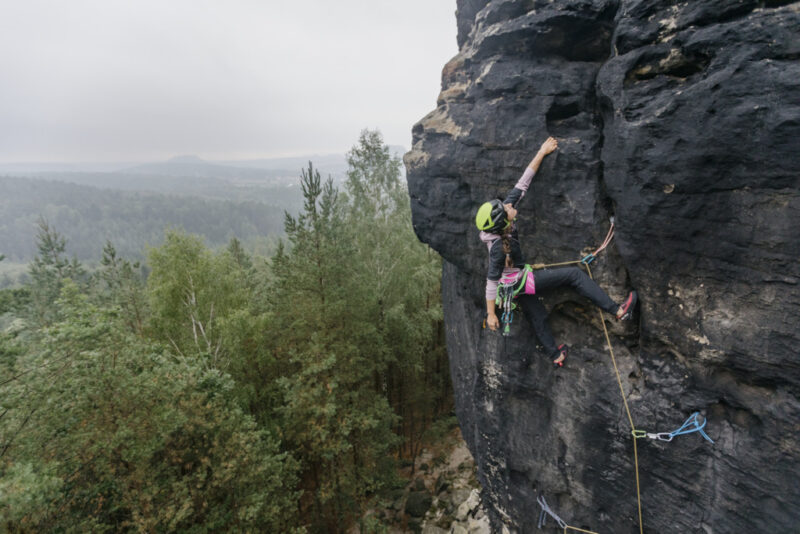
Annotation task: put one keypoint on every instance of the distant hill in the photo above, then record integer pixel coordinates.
(333, 164)
(272, 171)
(192, 166)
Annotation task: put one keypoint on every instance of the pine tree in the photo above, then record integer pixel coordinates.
(400, 290)
(333, 419)
(238, 254)
(49, 270)
(124, 288)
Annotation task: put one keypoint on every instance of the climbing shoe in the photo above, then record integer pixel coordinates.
(628, 306)
(561, 352)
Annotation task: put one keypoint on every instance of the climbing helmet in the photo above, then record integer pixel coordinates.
(492, 217)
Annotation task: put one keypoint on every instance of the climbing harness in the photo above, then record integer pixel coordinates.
(692, 424)
(508, 289)
(546, 510)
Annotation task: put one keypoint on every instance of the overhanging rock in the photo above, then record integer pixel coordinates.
(682, 120)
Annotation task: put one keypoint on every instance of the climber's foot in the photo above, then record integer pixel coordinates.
(561, 351)
(625, 312)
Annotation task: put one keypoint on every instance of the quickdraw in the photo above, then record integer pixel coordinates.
(692, 424)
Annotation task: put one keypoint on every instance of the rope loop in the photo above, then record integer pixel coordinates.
(546, 510)
(692, 424)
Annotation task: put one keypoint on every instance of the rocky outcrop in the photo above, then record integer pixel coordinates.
(681, 120)
(444, 496)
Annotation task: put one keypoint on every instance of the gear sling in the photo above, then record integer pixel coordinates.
(511, 285)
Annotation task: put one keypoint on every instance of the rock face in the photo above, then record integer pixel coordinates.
(682, 120)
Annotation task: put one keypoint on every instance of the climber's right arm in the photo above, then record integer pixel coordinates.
(496, 264)
(491, 316)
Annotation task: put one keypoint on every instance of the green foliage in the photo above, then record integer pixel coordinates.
(214, 390)
(373, 177)
(191, 291)
(14, 300)
(399, 289)
(333, 418)
(357, 310)
(49, 270)
(104, 431)
(122, 286)
(238, 254)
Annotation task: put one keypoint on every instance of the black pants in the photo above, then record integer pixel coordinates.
(566, 276)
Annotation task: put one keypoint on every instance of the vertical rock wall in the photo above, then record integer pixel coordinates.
(682, 120)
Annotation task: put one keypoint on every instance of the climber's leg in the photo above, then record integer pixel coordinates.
(537, 316)
(577, 279)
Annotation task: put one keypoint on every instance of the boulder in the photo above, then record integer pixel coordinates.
(459, 495)
(479, 526)
(418, 503)
(441, 484)
(474, 500)
(463, 512)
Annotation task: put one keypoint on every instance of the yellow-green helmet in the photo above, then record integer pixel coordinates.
(491, 217)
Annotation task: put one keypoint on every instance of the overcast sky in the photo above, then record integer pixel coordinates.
(110, 80)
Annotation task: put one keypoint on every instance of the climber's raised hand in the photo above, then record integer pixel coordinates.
(549, 146)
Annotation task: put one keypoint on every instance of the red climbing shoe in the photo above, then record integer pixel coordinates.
(628, 306)
(561, 351)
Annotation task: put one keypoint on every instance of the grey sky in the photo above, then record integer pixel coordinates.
(136, 80)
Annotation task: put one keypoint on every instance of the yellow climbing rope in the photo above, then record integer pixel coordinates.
(627, 409)
(634, 432)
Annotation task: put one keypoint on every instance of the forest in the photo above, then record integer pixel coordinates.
(133, 219)
(207, 389)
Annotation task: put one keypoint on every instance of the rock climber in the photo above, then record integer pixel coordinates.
(495, 220)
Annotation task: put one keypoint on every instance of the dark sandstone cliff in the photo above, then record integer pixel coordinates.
(682, 120)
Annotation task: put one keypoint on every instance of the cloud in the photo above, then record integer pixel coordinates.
(101, 80)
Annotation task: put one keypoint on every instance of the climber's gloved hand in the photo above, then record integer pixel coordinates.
(492, 321)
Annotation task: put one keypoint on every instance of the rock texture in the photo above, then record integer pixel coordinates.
(682, 120)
